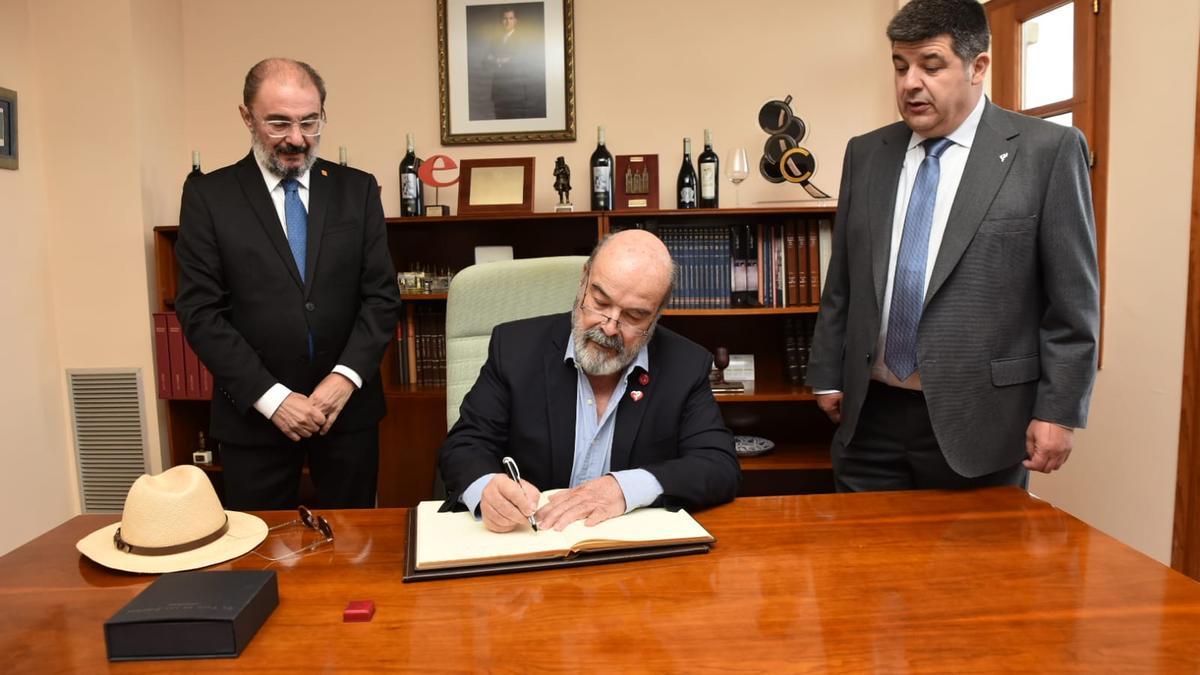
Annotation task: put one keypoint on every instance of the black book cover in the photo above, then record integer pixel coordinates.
(191, 615)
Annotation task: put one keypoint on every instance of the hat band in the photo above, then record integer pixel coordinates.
(123, 545)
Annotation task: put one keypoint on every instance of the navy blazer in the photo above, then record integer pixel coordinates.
(523, 406)
(248, 315)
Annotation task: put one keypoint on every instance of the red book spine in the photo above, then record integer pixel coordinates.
(175, 346)
(792, 265)
(162, 355)
(191, 371)
(206, 382)
(814, 262)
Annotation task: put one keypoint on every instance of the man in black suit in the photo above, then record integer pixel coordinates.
(601, 401)
(959, 323)
(287, 294)
(518, 81)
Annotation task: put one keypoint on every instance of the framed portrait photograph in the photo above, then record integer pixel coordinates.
(506, 71)
(8, 129)
(500, 185)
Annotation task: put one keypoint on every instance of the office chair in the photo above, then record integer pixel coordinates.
(482, 296)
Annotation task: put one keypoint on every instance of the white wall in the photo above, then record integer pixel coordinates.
(1121, 476)
(37, 477)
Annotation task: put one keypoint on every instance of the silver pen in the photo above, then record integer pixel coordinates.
(514, 473)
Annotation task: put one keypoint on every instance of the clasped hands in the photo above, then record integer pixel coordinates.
(506, 506)
(301, 416)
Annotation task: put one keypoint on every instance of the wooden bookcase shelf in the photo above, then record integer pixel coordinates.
(415, 426)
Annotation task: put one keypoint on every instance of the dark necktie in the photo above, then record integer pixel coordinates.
(297, 231)
(908, 287)
(297, 222)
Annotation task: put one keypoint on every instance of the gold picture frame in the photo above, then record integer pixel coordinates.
(506, 72)
(497, 185)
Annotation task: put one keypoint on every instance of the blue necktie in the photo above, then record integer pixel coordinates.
(297, 222)
(297, 231)
(908, 287)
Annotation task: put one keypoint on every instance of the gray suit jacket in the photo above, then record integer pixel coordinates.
(1010, 326)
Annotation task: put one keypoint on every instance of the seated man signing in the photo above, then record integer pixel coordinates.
(600, 400)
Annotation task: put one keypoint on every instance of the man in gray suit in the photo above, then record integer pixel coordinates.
(957, 340)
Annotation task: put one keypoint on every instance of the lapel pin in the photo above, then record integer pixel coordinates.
(1003, 157)
(636, 395)
(326, 173)
(643, 379)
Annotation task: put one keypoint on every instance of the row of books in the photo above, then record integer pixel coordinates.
(765, 265)
(422, 345)
(180, 374)
(797, 344)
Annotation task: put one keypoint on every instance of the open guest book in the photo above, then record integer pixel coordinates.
(455, 544)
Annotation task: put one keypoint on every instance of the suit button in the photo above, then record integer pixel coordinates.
(868, 358)
(309, 306)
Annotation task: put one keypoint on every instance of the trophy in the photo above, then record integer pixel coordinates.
(717, 379)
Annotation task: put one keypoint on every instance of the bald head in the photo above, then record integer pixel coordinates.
(638, 260)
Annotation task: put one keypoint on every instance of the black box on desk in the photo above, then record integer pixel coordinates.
(192, 615)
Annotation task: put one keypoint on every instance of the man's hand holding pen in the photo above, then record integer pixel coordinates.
(507, 504)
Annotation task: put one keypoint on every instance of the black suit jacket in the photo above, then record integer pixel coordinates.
(523, 406)
(247, 314)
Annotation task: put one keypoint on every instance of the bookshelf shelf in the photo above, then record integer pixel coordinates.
(790, 457)
(743, 311)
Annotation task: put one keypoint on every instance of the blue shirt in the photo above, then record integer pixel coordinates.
(593, 441)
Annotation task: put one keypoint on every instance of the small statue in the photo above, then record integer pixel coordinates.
(562, 181)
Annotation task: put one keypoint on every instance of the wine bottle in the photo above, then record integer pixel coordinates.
(709, 172)
(195, 172)
(602, 170)
(685, 185)
(412, 194)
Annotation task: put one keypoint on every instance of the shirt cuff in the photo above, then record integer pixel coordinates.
(474, 493)
(639, 486)
(350, 375)
(269, 402)
(822, 392)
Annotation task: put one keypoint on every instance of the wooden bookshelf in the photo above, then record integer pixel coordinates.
(414, 427)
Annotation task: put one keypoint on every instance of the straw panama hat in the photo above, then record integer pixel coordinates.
(173, 522)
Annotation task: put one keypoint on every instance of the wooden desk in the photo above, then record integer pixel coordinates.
(934, 581)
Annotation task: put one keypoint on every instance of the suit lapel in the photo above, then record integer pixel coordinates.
(560, 407)
(629, 415)
(320, 186)
(886, 164)
(255, 190)
(981, 179)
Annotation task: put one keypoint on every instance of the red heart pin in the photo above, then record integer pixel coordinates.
(636, 395)
(644, 379)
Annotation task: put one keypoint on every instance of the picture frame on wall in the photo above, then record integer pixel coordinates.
(497, 185)
(8, 129)
(506, 71)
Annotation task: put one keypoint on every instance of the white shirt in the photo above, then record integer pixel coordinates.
(269, 402)
(952, 162)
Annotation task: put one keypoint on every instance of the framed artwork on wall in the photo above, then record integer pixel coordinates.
(506, 71)
(8, 129)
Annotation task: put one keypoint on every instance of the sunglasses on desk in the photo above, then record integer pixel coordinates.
(308, 520)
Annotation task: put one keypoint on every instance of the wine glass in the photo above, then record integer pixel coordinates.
(737, 169)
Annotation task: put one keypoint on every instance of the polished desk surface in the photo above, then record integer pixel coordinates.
(932, 581)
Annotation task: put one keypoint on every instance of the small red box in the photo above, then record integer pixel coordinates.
(359, 610)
